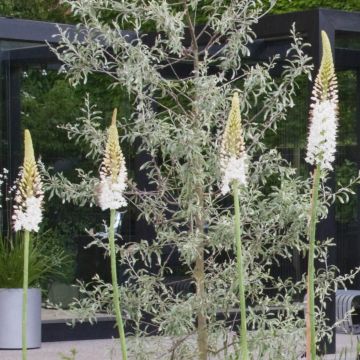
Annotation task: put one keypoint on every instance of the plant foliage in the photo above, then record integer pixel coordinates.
(176, 121)
(44, 262)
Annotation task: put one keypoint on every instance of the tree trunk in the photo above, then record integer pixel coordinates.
(199, 270)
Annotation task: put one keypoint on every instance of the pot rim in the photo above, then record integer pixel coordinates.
(13, 289)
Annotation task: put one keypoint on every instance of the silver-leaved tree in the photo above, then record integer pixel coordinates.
(177, 120)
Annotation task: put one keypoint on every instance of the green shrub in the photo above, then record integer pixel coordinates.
(43, 262)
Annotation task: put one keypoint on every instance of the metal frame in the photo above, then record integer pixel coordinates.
(29, 30)
(273, 38)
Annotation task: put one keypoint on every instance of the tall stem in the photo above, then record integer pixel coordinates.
(25, 294)
(240, 271)
(311, 338)
(202, 338)
(116, 294)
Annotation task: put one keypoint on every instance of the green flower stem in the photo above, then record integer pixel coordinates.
(116, 295)
(243, 331)
(311, 266)
(25, 294)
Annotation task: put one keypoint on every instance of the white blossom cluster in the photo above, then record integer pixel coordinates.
(28, 215)
(234, 169)
(113, 173)
(321, 146)
(110, 194)
(29, 195)
(233, 158)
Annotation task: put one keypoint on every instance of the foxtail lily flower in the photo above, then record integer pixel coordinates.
(233, 159)
(324, 112)
(320, 153)
(234, 169)
(29, 195)
(113, 172)
(110, 196)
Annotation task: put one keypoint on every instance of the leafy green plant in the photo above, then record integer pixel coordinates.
(44, 262)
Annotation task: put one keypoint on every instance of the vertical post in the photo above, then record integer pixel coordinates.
(357, 119)
(10, 127)
(2, 133)
(13, 117)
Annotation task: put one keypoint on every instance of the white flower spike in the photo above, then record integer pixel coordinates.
(113, 172)
(233, 158)
(324, 113)
(29, 195)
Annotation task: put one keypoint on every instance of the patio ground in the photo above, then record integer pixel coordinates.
(108, 350)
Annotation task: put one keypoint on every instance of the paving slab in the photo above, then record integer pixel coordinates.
(109, 349)
(62, 350)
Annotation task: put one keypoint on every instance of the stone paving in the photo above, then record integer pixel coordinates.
(108, 350)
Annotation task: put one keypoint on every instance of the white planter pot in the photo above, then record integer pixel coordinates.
(11, 315)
